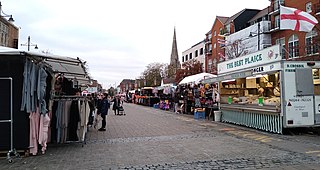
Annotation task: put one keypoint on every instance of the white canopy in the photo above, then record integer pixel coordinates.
(196, 78)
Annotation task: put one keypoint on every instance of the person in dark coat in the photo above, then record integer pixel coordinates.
(116, 104)
(103, 108)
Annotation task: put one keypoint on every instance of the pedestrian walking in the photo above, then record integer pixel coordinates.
(103, 108)
(116, 104)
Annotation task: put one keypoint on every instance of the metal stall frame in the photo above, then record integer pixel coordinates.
(12, 150)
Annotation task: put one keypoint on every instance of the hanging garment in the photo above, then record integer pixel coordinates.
(65, 119)
(73, 121)
(41, 89)
(43, 131)
(34, 131)
(59, 121)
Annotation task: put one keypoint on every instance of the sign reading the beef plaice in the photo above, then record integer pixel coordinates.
(261, 57)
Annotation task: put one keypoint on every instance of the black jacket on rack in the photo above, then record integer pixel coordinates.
(73, 121)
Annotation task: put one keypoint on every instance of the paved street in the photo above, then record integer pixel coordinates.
(148, 138)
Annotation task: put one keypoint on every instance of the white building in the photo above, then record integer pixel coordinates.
(196, 52)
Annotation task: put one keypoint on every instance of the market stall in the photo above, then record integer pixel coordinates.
(263, 91)
(194, 95)
(35, 78)
(146, 97)
(165, 95)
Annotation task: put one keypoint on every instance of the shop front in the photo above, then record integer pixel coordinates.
(263, 91)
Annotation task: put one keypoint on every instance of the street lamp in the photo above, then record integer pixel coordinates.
(2, 14)
(29, 44)
(251, 35)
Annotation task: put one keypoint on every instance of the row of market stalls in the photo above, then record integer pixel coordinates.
(263, 91)
(260, 90)
(190, 94)
(40, 101)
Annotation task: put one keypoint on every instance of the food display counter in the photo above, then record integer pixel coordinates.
(263, 91)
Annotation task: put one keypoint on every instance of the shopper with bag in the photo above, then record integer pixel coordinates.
(103, 108)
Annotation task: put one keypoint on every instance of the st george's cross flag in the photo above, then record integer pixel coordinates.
(295, 19)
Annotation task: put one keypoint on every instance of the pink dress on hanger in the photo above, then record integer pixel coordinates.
(34, 131)
(43, 132)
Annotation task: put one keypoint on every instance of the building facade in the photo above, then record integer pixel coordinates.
(296, 45)
(195, 53)
(126, 85)
(213, 47)
(9, 33)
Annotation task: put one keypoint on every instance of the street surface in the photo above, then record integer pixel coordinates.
(148, 138)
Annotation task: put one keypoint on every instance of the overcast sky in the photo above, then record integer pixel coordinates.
(118, 38)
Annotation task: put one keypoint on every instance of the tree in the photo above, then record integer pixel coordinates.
(112, 91)
(153, 74)
(235, 49)
(189, 68)
(170, 71)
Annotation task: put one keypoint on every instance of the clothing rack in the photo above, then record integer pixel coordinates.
(74, 98)
(12, 151)
(69, 97)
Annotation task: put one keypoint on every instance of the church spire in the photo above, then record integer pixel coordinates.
(174, 61)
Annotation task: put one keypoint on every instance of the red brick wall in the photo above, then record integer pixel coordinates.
(299, 4)
(216, 27)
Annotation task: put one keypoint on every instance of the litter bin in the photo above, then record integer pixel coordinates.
(217, 116)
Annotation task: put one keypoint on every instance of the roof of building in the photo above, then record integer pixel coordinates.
(124, 81)
(235, 16)
(230, 19)
(260, 14)
(222, 19)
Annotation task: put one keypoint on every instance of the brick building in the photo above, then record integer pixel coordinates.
(212, 47)
(296, 45)
(9, 33)
(126, 85)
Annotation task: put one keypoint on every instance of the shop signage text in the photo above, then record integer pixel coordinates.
(262, 57)
(245, 61)
(292, 67)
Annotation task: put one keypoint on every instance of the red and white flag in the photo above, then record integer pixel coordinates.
(295, 19)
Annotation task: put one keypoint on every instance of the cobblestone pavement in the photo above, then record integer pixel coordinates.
(148, 138)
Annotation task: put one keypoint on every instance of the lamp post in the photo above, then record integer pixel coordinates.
(2, 14)
(29, 44)
(258, 34)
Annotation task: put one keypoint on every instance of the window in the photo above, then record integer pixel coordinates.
(215, 33)
(190, 56)
(196, 53)
(276, 4)
(201, 51)
(228, 28)
(214, 45)
(293, 46)
(4, 34)
(210, 49)
(309, 7)
(282, 43)
(277, 21)
(311, 43)
(186, 57)
(209, 65)
(182, 58)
